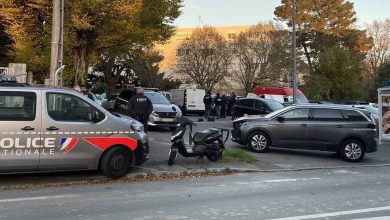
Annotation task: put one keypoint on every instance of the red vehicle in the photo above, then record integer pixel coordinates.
(281, 94)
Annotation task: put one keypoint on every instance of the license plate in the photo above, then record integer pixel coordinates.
(167, 119)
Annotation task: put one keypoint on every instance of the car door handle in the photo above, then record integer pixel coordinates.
(52, 128)
(303, 125)
(339, 126)
(28, 128)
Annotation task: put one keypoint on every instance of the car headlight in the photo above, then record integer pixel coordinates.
(137, 127)
(155, 114)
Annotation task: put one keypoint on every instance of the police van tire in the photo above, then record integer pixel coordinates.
(115, 162)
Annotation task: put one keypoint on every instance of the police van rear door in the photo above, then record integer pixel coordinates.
(20, 125)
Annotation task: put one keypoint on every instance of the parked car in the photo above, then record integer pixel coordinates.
(168, 95)
(165, 114)
(280, 94)
(57, 129)
(189, 100)
(255, 106)
(354, 102)
(320, 102)
(369, 111)
(338, 128)
(109, 102)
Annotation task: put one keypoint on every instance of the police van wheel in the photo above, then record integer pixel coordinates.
(116, 162)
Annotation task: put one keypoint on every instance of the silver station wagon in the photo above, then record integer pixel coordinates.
(342, 129)
(58, 129)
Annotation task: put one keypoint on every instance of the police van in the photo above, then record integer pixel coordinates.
(58, 129)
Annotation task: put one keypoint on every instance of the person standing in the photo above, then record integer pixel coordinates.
(218, 103)
(88, 92)
(140, 108)
(233, 100)
(223, 105)
(207, 100)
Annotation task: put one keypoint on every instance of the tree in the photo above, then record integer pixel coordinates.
(27, 25)
(108, 28)
(118, 52)
(380, 52)
(261, 56)
(383, 74)
(322, 24)
(337, 76)
(147, 72)
(204, 58)
(5, 44)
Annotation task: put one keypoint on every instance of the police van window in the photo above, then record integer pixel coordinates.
(17, 106)
(65, 107)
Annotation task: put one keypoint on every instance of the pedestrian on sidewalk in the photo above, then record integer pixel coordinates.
(218, 103)
(140, 108)
(208, 102)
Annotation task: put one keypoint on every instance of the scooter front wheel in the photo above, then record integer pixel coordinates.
(172, 157)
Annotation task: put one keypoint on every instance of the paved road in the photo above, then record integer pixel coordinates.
(353, 193)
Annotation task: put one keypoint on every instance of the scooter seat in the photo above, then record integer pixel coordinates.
(202, 135)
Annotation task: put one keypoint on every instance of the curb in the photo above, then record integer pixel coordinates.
(154, 172)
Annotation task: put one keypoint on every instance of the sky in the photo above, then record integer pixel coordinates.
(250, 12)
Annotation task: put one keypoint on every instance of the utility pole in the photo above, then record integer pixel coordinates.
(56, 43)
(294, 75)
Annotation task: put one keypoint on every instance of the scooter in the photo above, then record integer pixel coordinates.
(207, 143)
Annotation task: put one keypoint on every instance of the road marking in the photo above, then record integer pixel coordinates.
(36, 198)
(332, 214)
(285, 180)
(374, 218)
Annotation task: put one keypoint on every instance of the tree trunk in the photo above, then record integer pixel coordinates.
(112, 76)
(79, 57)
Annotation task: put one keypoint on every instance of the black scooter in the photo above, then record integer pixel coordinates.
(207, 143)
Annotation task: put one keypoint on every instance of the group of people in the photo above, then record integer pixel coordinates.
(221, 104)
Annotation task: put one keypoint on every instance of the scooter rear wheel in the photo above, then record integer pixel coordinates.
(213, 156)
(172, 157)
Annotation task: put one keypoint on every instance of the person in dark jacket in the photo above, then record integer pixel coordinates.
(233, 100)
(140, 108)
(88, 92)
(208, 102)
(223, 105)
(218, 103)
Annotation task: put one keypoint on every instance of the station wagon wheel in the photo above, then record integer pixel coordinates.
(352, 150)
(115, 162)
(259, 142)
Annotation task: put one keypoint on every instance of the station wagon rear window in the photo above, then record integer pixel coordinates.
(17, 106)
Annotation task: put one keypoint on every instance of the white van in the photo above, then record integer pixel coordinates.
(189, 100)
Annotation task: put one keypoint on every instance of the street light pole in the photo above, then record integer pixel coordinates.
(294, 78)
(56, 40)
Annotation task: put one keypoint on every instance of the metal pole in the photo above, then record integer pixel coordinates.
(60, 46)
(294, 54)
(55, 39)
(57, 76)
